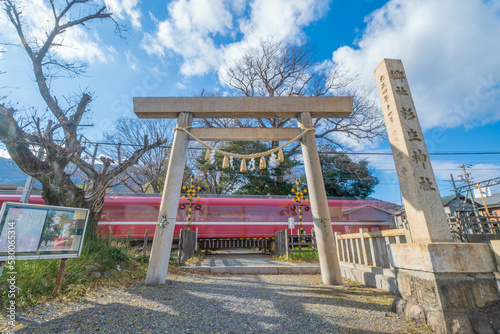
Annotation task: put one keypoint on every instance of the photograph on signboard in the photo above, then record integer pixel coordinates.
(28, 224)
(42, 231)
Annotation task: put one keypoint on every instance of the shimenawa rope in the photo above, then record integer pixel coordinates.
(245, 156)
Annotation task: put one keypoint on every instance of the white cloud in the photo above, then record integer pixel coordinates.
(123, 8)
(204, 32)
(188, 32)
(131, 60)
(283, 19)
(450, 52)
(479, 171)
(79, 43)
(4, 154)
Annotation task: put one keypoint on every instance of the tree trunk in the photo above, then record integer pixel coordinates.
(60, 191)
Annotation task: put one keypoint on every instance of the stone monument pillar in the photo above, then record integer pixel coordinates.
(450, 286)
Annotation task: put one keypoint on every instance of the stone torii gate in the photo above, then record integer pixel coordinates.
(187, 108)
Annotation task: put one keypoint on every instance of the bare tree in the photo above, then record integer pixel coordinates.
(146, 176)
(56, 131)
(279, 69)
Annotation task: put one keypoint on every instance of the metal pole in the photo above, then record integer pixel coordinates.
(484, 202)
(467, 180)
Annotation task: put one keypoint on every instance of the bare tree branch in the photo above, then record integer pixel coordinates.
(279, 69)
(65, 156)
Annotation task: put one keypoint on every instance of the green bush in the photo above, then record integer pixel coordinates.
(307, 257)
(296, 257)
(35, 278)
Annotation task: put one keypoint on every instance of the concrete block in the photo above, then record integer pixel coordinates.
(299, 270)
(245, 270)
(379, 278)
(495, 246)
(204, 269)
(443, 257)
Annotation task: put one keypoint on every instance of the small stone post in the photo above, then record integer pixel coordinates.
(449, 286)
(164, 234)
(328, 259)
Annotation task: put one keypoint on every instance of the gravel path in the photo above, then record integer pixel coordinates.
(197, 303)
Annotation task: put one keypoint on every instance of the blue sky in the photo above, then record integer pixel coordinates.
(449, 48)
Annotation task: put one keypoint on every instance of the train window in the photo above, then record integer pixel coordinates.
(129, 212)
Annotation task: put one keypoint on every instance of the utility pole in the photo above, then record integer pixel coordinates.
(466, 177)
(454, 186)
(456, 191)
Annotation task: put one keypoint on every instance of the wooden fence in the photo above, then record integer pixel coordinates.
(221, 243)
(187, 245)
(466, 228)
(285, 243)
(281, 247)
(368, 248)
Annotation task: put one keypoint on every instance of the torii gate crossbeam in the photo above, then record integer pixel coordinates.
(187, 108)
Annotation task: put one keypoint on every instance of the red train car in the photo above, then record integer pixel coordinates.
(229, 217)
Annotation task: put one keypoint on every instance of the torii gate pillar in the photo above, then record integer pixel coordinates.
(164, 234)
(185, 109)
(327, 251)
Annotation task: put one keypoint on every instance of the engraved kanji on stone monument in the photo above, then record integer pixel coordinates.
(396, 74)
(413, 135)
(407, 113)
(426, 217)
(401, 91)
(419, 156)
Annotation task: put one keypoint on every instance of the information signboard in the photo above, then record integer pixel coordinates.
(41, 231)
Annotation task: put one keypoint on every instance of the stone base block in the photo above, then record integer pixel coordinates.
(466, 300)
(444, 257)
(380, 278)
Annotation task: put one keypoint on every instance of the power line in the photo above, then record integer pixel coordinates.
(320, 152)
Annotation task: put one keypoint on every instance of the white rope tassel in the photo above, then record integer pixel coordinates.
(252, 165)
(273, 162)
(212, 157)
(231, 162)
(207, 154)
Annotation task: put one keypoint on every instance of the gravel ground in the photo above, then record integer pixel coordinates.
(200, 303)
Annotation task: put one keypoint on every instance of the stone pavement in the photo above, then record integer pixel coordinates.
(244, 261)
